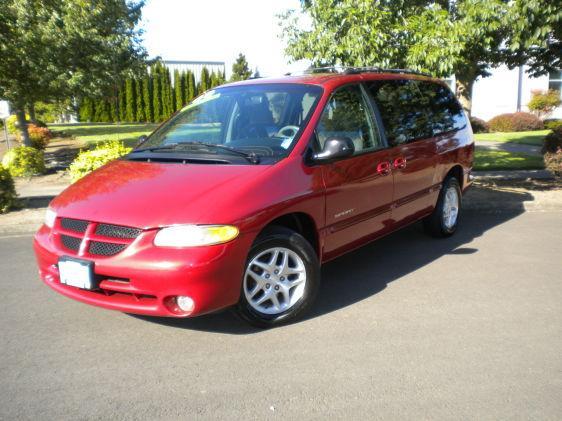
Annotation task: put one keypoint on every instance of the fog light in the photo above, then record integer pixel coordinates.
(185, 303)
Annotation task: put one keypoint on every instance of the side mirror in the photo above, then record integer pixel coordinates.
(142, 138)
(335, 148)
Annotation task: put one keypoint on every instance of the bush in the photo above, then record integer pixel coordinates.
(39, 136)
(24, 161)
(515, 122)
(552, 141)
(88, 161)
(553, 162)
(543, 103)
(8, 194)
(552, 124)
(479, 125)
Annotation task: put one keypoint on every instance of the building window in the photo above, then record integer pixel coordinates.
(555, 81)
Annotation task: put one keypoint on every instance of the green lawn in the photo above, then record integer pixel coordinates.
(93, 133)
(534, 138)
(492, 160)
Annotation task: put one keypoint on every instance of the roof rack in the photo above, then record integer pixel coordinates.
(367, 69)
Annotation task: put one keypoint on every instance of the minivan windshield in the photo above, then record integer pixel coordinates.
(261, 120)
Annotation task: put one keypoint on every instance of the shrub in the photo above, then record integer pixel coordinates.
(39, 136)
(543, 103)
(553, 141)
(90, 160)
(553, 162)
(479, 125)
(8, 194)
(24, 161)
(552, 124)
(515, 122)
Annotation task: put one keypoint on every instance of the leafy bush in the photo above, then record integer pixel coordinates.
(515, 122)
(88, 161)
(479, 125)
(553, 123)
(543, 103)
(11, 124)
(7, 190)
(553, 162)
(39, 136)
(24, 161)
(553, 141)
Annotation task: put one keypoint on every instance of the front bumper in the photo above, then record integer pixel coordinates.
(143, 279)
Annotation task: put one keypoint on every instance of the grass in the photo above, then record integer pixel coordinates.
(493, 160)
(94, 133)
(484, 159)
(534, 138)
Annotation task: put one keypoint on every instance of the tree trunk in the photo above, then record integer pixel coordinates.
(31, 109)
(464, 93)
(22, 125)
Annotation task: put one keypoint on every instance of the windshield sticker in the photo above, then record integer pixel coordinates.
(286, 143)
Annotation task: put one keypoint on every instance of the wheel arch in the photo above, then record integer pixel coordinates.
(300, 222)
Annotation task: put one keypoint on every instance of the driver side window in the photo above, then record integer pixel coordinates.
(347, 114)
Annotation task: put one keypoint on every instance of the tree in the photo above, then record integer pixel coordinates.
(122, 111)
(140, 111)
(240, 69)
(192, 87)
(543, 103)
(147, 98)
(131, 99)
(179, 89)
(86, 110)
(156, 97)
(55, 50)
(461, 37)
(204, 81)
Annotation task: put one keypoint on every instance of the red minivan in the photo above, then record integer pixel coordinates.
(239, 198)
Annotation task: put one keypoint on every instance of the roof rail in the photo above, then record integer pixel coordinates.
(367, 69)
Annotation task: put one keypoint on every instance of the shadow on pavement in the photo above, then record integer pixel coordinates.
(368, 270)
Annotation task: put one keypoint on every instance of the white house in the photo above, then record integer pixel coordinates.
(508, 91)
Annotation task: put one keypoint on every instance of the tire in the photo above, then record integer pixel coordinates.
(438, 223)
(287, 294)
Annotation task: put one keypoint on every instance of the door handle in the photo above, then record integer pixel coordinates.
(384, 168)
(400, 163)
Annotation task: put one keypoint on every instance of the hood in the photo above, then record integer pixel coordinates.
(149, 195)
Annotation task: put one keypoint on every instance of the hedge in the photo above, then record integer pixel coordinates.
(515, 122)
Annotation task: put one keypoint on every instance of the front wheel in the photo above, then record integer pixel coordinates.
(444, 220)
(281, 279)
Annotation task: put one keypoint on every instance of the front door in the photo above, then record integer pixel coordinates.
(358, 189)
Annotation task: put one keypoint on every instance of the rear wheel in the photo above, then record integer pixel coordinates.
(444, 220)
(281, 278)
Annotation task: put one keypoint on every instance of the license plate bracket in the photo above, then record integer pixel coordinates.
(77, 273)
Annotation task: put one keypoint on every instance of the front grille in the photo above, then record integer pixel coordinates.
(71, 243)
(74, 224)
(117, 231)
(105, 249)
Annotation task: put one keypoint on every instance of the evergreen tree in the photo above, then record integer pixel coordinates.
(205, 80)
(122, 103)
(140, 111)
(240, 69)
(86, 110)
(192, 87)
(147, 98)
(179, 89)
(131, 100)
(156, 97)
(113, 109)
(169, 93)
(214, 80)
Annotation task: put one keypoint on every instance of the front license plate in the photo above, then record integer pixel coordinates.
(77, 273)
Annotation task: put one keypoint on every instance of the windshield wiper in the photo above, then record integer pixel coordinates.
(251, 157)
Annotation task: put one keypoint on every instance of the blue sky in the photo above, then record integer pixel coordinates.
(218, 30)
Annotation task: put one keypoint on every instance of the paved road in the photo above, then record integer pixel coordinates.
(406, 328)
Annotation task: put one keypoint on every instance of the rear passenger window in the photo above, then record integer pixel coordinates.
(402, 110)
(444, 111)
(347, 114)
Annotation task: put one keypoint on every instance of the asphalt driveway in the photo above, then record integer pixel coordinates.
(407, 328)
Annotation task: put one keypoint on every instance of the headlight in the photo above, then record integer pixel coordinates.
(50, 216)
(194, 235)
